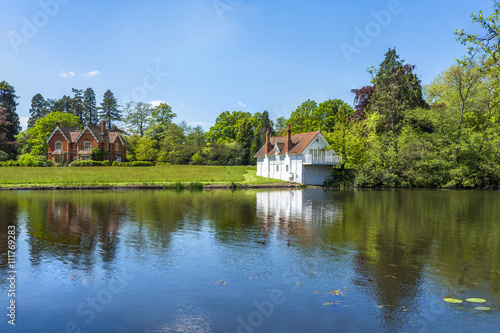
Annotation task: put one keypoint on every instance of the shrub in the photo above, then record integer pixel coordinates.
(137, 164)
(88, 163)
(106, 163)
(27, 160)
(116, 163)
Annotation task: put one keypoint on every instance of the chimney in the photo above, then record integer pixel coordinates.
(268, 142)
(58, 123)
(103, 125)
(75, 126)
(288, 143)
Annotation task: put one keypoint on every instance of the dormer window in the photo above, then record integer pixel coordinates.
(86, 145)
(58, 145)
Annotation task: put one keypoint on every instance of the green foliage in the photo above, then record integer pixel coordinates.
(137, 117)
(110, 110)
(3, 156)
(98, 154)
(38, 109)
(88, 163)
(226, 126)
(39, 134)
(28, 160)
(197, 159)
(309, 116)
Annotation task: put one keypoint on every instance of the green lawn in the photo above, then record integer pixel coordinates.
(162, 174)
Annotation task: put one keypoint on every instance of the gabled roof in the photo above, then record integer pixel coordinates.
(92, 130)
(300, 142)
(65, 131)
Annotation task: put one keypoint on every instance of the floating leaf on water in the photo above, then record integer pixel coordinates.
(313, 272)
(298, 282)
(252, 278)
(393, 265)
(476, 300)
(482, 308)
(379, 306)
(273, 290)
(335, 292)
(329, 303)
(453, 300)
(316, 292)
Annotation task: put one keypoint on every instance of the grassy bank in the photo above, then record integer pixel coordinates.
(158, 175)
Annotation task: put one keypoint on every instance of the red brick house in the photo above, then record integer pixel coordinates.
(67, 144)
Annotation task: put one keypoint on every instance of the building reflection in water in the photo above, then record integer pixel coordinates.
(295, 213)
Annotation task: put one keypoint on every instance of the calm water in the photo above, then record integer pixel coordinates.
(250, 261)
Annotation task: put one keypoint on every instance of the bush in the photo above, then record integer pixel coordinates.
(116, 163)
(106, 163)
(137, 164)
(27, 160)
(88, 163)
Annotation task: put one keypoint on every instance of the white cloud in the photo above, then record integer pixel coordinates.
(91, 73)
(156, 103)
(241, 104)
(66, 74)
(200, 123)
(159, 59)
(24, 122)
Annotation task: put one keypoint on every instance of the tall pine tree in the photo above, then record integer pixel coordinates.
(9, 119)
(110, 110)
(398, 90)
(78, 105)
(90, 107)
(38, 109)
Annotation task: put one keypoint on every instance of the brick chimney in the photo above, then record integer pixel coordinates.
(58, 123)
(103, 125)
(288, 143)
(268, 142)
(75, 126)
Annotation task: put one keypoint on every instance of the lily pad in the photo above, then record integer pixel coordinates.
(482, 308)
(453, 300)
(476, 300)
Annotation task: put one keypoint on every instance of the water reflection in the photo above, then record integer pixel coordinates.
(394, 254)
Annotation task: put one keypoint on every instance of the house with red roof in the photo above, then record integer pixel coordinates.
(300, 158)
(67, 144)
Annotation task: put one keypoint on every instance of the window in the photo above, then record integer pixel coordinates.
(86, 145)
(117, 147)
(74, 146)
(287, 168)
(85, 157)
(58, 145)
(277, 168)
(58, 159)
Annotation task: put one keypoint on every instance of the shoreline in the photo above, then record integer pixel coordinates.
(151, 187)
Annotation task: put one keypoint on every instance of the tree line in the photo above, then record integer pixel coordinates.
(398, 134)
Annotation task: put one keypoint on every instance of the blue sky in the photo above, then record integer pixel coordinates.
(203, 57)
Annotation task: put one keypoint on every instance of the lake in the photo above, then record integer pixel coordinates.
(250, 261)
